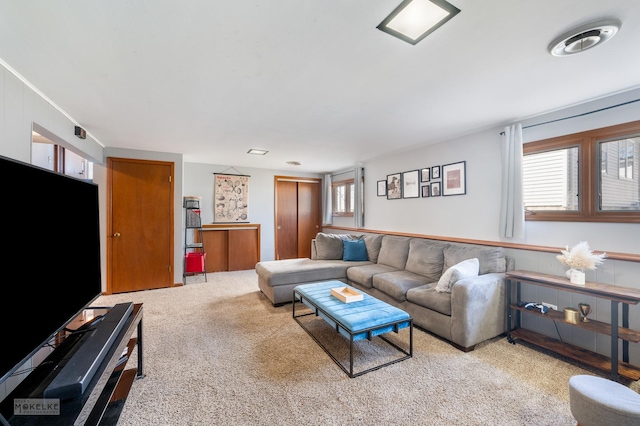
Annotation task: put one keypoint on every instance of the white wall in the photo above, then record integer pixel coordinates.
(476, 214)
(20, 107)
(198, 181)
(452, 216)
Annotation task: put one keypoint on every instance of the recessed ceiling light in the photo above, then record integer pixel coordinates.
(293, 163)
(584, 37)
(257, 151)
(413, 20)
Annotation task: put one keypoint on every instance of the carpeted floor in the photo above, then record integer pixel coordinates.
(218, 353)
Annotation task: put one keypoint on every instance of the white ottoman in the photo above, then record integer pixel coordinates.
(597, 401)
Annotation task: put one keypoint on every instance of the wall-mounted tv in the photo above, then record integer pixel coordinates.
(50, 257)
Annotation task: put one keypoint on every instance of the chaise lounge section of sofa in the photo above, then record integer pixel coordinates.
(453, 290)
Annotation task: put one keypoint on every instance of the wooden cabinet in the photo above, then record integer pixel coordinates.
(231, 247)
(616, 294)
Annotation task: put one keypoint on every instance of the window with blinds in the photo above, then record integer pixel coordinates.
(584, 177)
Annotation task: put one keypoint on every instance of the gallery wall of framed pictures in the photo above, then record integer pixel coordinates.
(433, 181)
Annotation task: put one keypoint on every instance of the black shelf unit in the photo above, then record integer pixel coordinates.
(194, 254)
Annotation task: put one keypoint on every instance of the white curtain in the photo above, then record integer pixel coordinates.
(512, 203)
(358, 209)
(327, 208)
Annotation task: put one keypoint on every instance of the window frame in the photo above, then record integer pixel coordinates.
(349, 209)
(588, 174)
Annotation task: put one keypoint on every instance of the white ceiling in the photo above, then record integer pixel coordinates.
(312, 81)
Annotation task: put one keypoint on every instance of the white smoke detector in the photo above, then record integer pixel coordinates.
(584, 37)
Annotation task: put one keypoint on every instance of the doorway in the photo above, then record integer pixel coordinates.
(298, 215)
(139, 225)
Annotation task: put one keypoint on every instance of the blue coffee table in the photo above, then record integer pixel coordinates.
(359, 320)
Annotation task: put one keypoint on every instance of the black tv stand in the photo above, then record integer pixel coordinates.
(103, 399)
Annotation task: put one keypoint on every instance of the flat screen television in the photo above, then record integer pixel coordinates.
(50, 257)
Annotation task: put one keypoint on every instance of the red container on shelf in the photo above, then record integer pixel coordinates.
(194, 262)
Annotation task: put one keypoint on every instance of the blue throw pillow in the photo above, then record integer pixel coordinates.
(354, 250)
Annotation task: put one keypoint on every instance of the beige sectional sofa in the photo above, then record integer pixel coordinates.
(440, 284)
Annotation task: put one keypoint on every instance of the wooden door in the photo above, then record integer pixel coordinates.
(286, 219)
(298, 215)
(309, 214)
(140, 225)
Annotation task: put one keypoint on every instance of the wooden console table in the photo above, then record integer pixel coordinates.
(231, 246)
(616, 294)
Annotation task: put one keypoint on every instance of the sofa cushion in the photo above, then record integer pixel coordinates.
(363, 275)
(329, 246)
(428, 297)
(394, 252)
(373, 243)
(426, 258)
(396, 284)
(465, 269)
(295, 271)
(492, 259)
(354, 250)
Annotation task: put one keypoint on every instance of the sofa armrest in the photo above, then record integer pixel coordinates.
(478, 308)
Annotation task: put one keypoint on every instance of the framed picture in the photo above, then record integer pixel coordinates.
(435, 172)
(454, 179)
(411, 184)
(435, 189)
(394, 186)
(382, 188)
(425, 175)
(425, 191)
(231, 194)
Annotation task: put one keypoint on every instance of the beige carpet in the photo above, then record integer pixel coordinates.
(218, 353)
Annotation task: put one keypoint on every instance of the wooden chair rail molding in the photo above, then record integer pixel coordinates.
(629, 257)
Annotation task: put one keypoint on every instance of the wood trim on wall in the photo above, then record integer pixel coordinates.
(629, 257)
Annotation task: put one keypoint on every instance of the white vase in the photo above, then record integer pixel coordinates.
(576, 276)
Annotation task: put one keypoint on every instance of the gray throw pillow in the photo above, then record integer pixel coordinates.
(330, 246)
(426, 258)
(373, 243)
(394, 251)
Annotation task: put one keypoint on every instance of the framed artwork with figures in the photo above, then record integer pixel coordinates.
(435, 172)
(435, 189)
(231, 198)
(394, 186)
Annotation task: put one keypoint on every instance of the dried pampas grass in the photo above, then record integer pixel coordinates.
(581, 256)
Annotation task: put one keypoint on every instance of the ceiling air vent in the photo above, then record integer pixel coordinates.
(584, 37)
